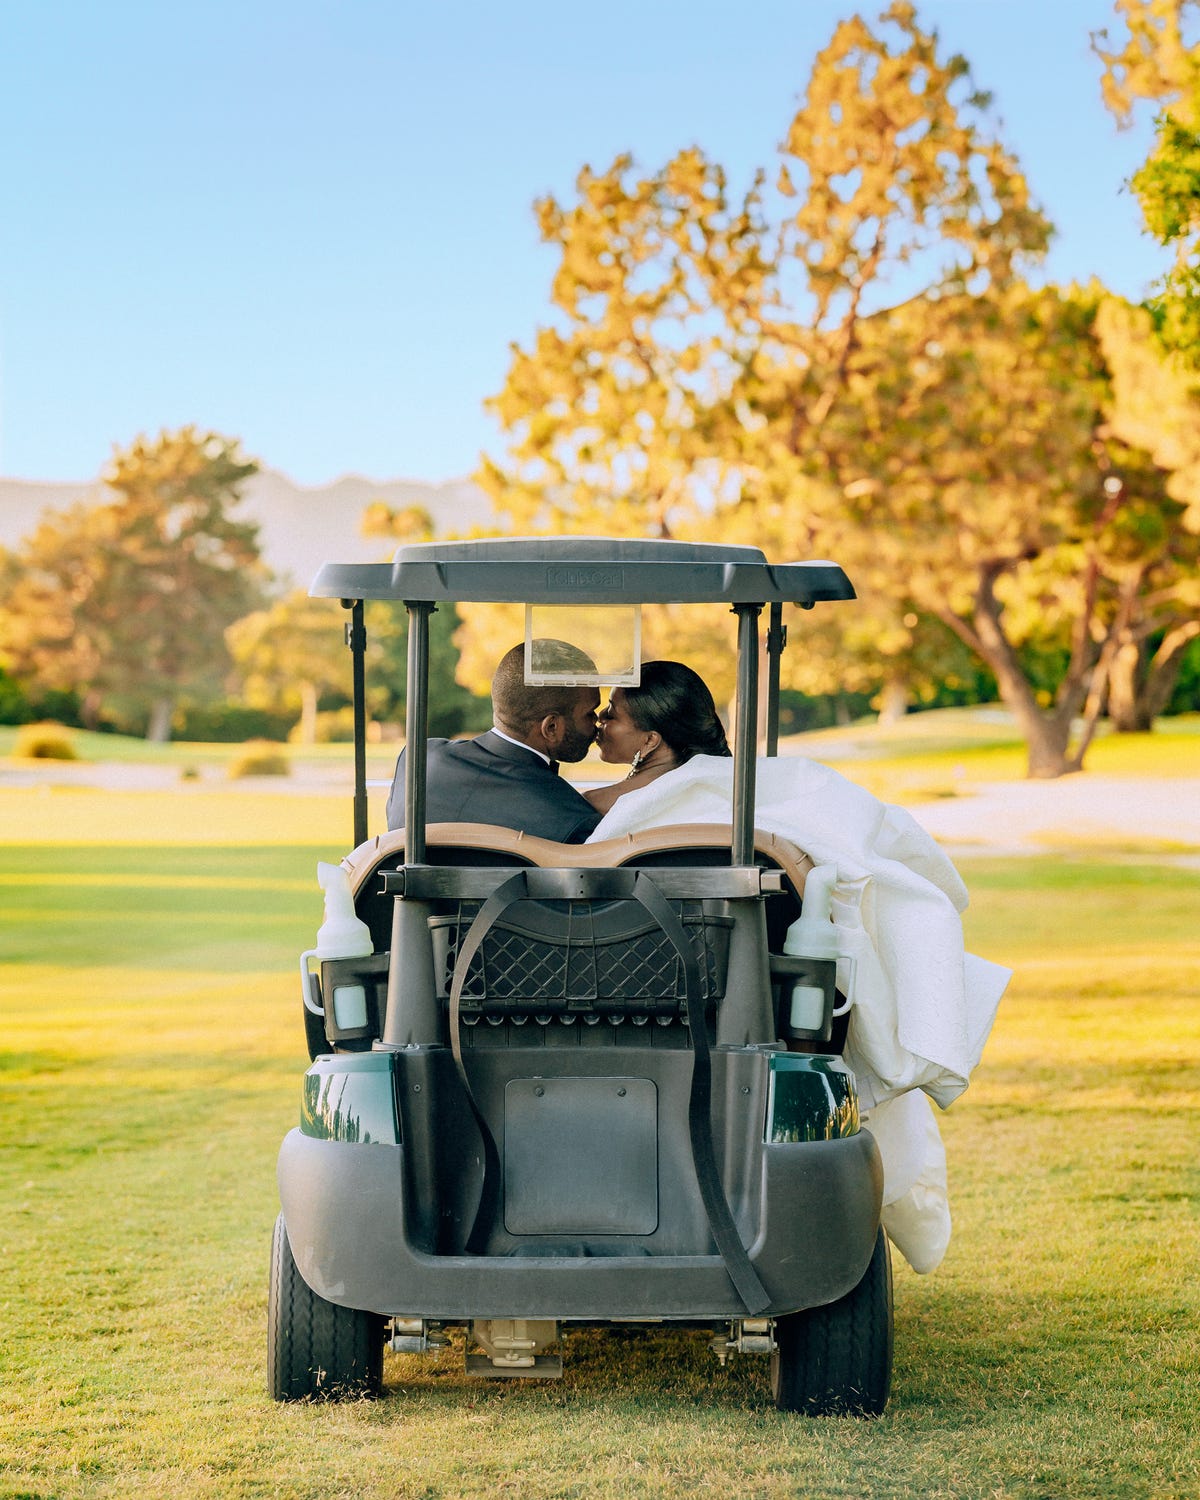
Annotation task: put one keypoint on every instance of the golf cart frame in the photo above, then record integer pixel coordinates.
(565, 1084)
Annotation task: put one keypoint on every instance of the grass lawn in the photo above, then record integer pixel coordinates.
(153, 1051)
(947, 752)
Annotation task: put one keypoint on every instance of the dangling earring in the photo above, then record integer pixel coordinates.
(638, 758)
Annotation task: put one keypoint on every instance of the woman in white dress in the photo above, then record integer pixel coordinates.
(655, 727)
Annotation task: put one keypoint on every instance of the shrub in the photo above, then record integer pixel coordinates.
(260, 758)
(15, 707)
(23, 703)
(230, 722)
(44, 742)
(333, 726)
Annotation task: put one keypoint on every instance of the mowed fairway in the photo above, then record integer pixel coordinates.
(151, 1065)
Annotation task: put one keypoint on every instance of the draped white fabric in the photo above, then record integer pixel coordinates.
(922, 1008)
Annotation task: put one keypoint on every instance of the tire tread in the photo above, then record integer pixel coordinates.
(316, 1349)
(836, 1361)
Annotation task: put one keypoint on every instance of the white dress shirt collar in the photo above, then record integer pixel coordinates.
(497, 730)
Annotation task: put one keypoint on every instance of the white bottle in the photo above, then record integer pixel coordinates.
(812, 935)
(341, 935)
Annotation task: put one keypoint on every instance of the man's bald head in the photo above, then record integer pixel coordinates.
(559, 721)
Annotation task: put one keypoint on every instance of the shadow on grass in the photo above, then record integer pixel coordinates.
(961, 1358)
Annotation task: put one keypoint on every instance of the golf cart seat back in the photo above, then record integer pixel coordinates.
(575, 949)
(487, 844)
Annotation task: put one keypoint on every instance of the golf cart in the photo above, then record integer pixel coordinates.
(595, 1083)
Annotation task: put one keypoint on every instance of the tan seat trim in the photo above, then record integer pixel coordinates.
(361, 863)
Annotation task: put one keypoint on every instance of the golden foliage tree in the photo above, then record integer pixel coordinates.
(456, 705)
(290, 654)
(848, 366)
(1155, 59)
(127, 602)
(705, 344)
(1154, 417)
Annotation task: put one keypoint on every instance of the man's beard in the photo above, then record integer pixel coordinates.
(575, 745)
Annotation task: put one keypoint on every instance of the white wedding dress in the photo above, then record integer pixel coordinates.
(921, 1007)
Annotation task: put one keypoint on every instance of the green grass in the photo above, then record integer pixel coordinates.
(153, 1052)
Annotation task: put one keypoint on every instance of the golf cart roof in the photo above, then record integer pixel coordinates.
(583, 570)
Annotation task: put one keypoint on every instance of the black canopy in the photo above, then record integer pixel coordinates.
(583, 570)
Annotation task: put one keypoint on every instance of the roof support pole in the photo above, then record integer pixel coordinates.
(356, 639)
(416, 731)
(745, 737)
(776, 641)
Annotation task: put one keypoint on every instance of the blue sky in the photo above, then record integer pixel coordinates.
(308, 224)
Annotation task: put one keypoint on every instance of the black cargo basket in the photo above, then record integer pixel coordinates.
(581, 957)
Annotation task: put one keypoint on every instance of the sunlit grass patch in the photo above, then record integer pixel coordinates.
(1075, 842)
(194, 814)
(949, 752)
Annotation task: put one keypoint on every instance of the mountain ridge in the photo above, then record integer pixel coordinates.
(300, 526)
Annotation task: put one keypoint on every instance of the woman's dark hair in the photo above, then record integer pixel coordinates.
(675, 702)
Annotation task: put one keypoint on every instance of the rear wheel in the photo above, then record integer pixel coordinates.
(836, 1361)
(314, 1035)
(314, 1347)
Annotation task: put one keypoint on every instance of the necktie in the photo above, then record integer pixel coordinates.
(554, 767)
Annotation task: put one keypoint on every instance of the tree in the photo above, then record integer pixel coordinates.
(289, 655)
(455, 706)
(1159, 63)
(992, 489)
(53, 631)
(686, 320)
(854, 369)
(712, 370)
(963, 487)
(1155, 409)
(127, 602)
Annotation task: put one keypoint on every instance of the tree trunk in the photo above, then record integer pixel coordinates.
(1046, 741)
(158, 731)
(89, 709)
(1139, 690)
(1127, 708)
(308, 714)
(893, 700)
(1047, 734)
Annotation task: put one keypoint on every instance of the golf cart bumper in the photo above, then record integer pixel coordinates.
(817, 1218)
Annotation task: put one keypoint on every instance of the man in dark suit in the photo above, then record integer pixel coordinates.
(510, 775)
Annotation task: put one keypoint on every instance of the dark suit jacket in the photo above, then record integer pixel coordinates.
(489, 780)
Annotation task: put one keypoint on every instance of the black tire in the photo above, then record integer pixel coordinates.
(836, 1361)
(314, 1035)
(316, 1349)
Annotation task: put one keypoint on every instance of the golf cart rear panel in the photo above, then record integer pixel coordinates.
(576, 1043)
